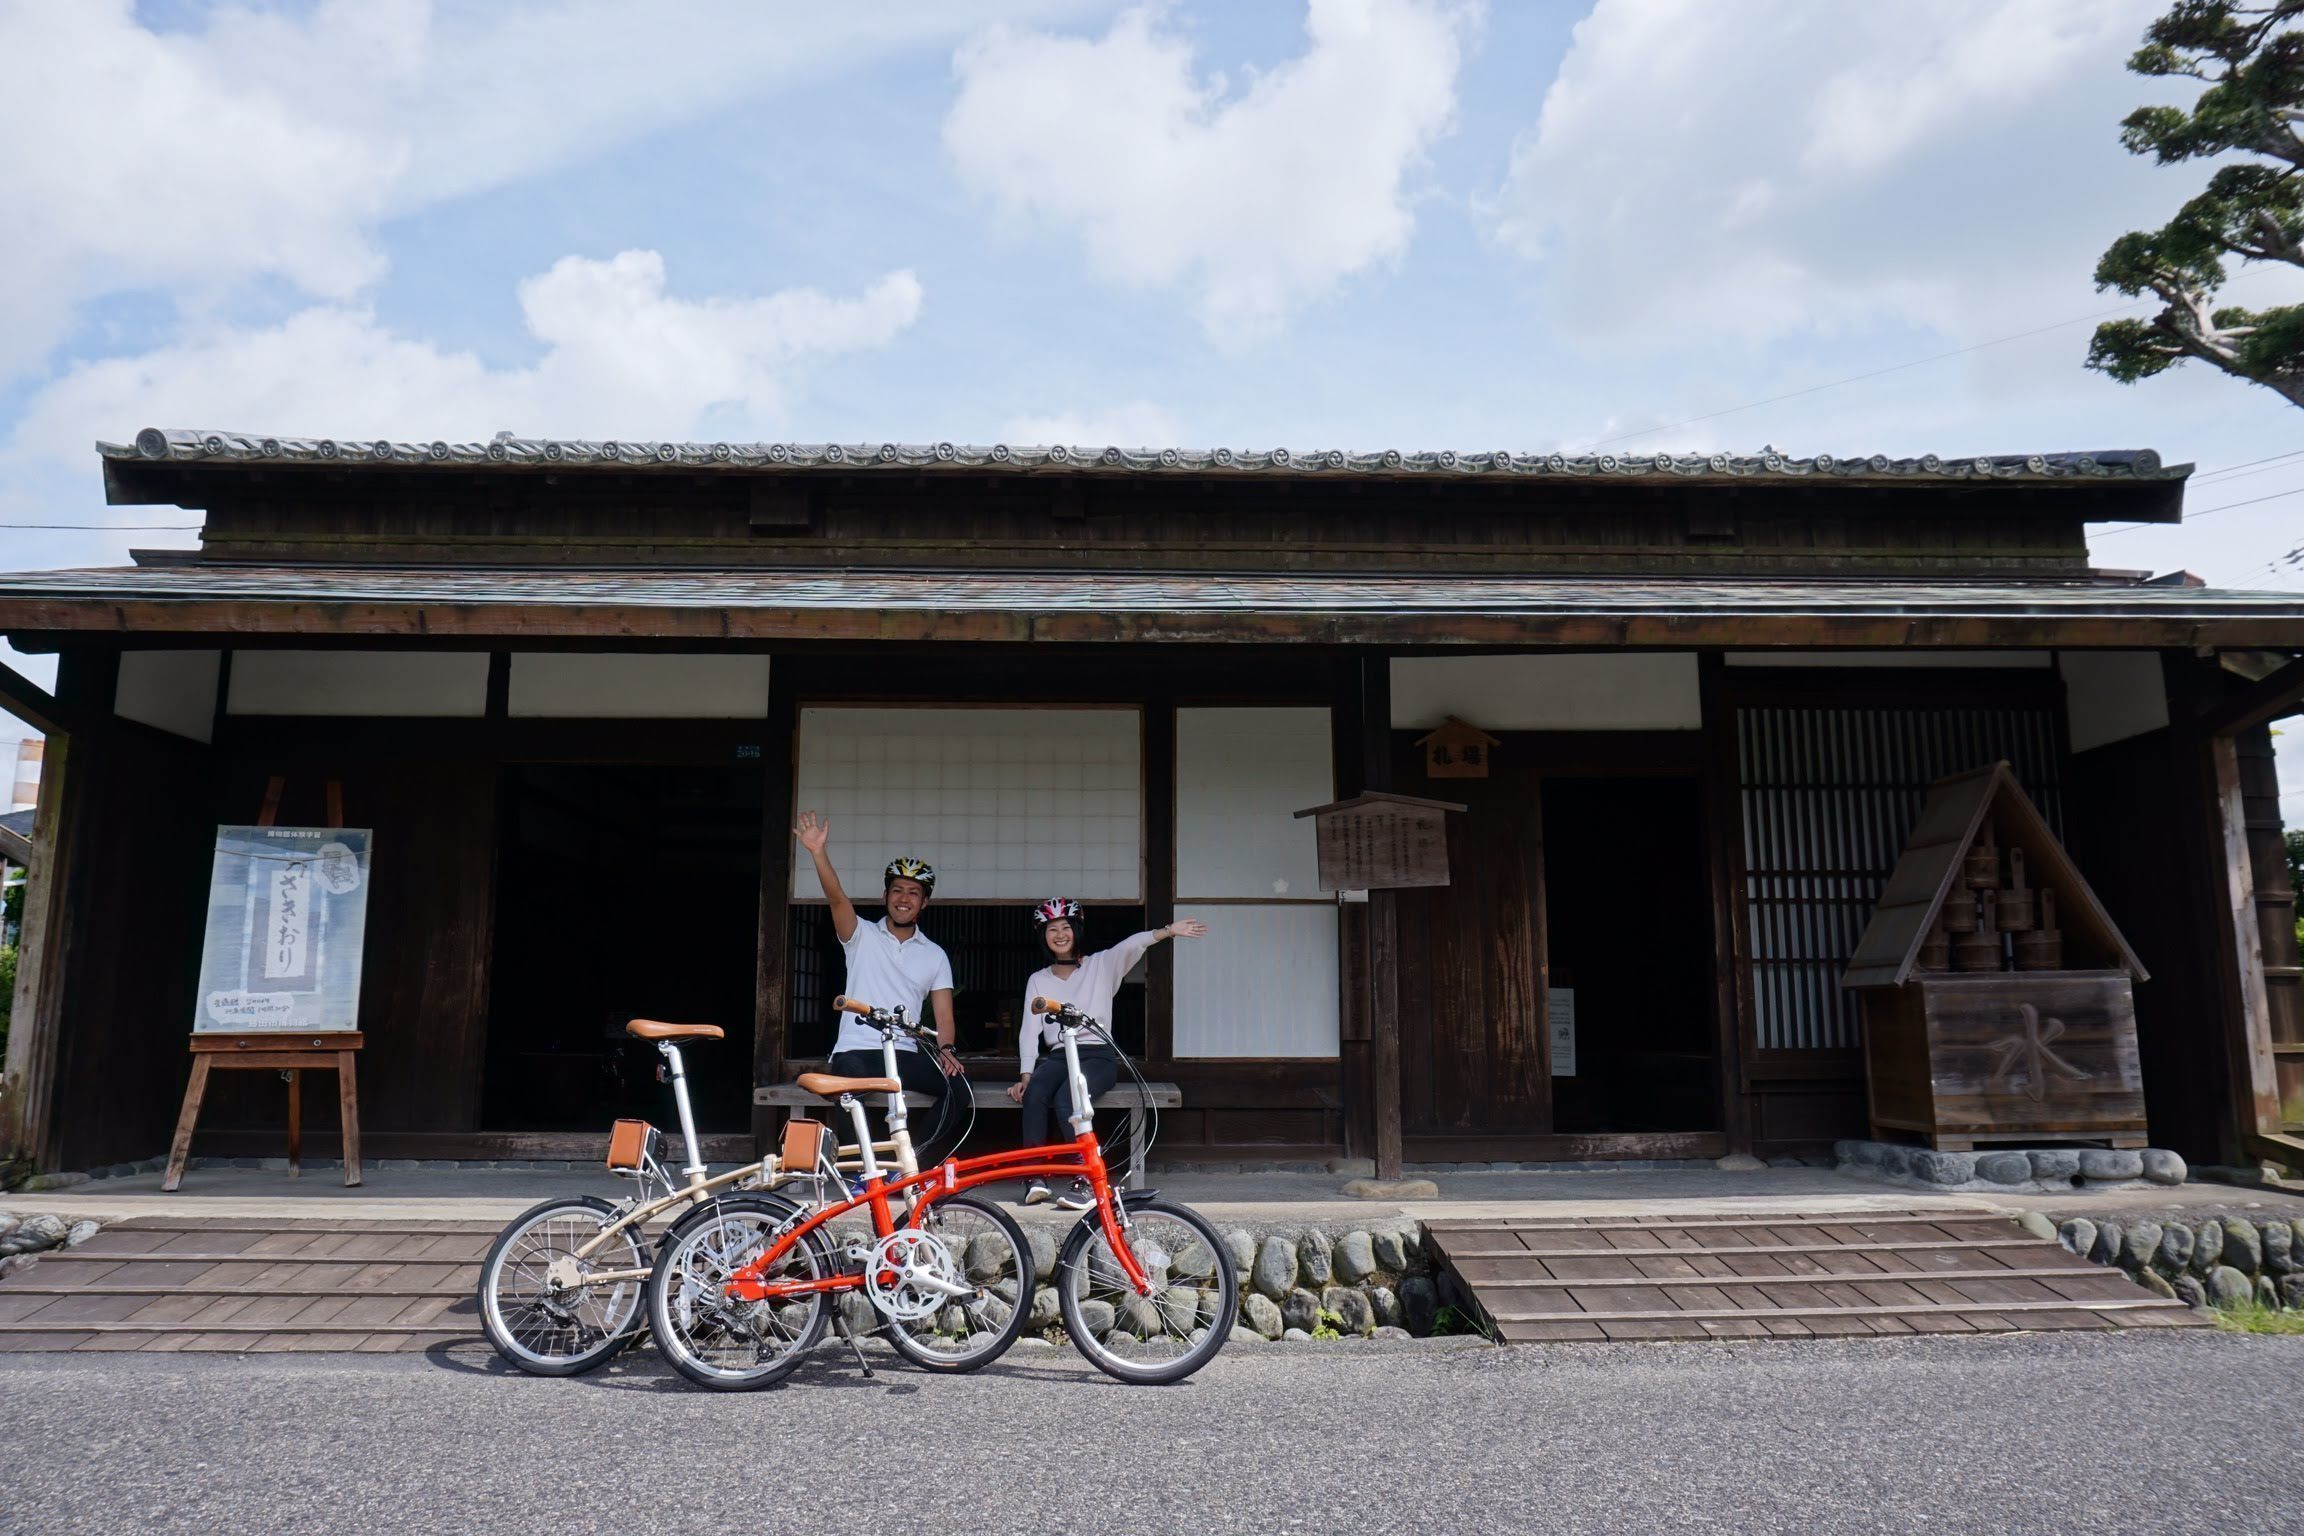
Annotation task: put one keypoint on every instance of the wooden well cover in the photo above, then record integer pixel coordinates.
(1381, 842)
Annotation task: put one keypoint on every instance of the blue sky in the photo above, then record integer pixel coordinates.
(1358, 223)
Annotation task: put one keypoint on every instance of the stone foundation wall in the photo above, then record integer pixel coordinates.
(2229, 1261)
(2008, 1171)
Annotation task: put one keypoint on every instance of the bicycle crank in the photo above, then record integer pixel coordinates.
(912, 1273)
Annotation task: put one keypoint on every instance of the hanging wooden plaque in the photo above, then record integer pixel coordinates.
(1456, 751)
(1380, 842)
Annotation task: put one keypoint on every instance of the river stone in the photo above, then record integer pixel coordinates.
(989, 1257)
(2278, 1248)
(2227, 1287)
(1275, 1269)
(2190, 1291)
(1136, 1317)
(2267, 1294)
(857, 1313)
(2078, 1235)
(1243, 1250)
(1419, 1304)
(1353, 1308)
(80, 1232)
(1391, 1333)
(2292, 1291)
(1045, 1312)
(2038, 1225)
(1240, 1335)
(7, 1223)
(1943, 1167)
(2101, 1166)
(1301, 1309)
(1390, 1250)
(2154, 1282)
(2175, 1248)
(1314, 1259)
(2054, 1165)
(1042, 1242)
(42, 1231)
(2003, 1167)
(1392, 1189)
(1355, 1257)
(2106, 1248)
(1179, 1306)
(1193, 1262)
(2243, 1249)
(1385, 1305)
(1204, 1305)
(2162, 1166)
(1895, 1162)
(1295, 1336)
(1262, 1316)
(2207, 1246)
(1097, 1316)
(2143, 1245)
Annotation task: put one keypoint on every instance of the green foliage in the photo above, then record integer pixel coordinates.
(1330, 1325)
(2258, 1318)
(7, 994)
(1455, 1320)
(2295, 841)
(2250, 55)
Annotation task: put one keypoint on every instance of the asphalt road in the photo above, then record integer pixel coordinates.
(2044, 1433)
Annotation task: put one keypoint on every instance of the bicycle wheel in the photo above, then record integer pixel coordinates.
(1157, 1338)
(538, 1303)
(976, 1329)
(720, 1341)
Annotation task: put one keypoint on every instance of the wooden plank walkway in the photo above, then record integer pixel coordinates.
(194, 1283)
(1729, 1276)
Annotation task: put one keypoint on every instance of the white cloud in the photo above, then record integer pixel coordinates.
(1258, 200)
(1787, 166)
(270, 141)
(621, 358)
(1137, 424)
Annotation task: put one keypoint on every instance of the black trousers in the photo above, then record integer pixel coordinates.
(1048, 1096)
(916, 1070)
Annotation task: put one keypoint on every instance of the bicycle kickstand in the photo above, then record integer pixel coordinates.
(857, 1349)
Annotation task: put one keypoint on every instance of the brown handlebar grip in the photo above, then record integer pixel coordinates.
(1045, 1005)
(850, 1005)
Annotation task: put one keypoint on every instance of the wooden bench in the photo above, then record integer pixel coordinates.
(1128, 1096)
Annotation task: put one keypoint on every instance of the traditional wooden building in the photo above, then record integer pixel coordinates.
(578, 690)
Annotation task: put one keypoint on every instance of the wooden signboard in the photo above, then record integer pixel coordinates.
(1381, 842)
(1456, 751)
(280, 969)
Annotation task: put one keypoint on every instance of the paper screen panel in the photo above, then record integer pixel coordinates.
(1262, 983)
(1241, 776)
(1007, 804)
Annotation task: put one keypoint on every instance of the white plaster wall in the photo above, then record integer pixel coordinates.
(172, 690)
(1626, 691)
(2020, 659)
(630, 686)
(1241, 775)
(1262, 983)
(2112, 695)
(451, 683)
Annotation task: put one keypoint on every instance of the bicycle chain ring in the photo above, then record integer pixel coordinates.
(911, 1274)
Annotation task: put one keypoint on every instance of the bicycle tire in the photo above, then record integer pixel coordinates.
(1016, 1266)
(685, 1309)
(540, 1339)
(1077, 1267)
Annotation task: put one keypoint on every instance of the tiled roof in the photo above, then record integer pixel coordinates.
(153, 445)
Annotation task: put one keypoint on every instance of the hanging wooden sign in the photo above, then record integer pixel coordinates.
(1381, 842)
(1457, 751)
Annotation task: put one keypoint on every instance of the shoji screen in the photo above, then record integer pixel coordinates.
(1263, 983)
(1008, 804)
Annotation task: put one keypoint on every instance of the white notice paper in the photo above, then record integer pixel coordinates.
(1563, 1012)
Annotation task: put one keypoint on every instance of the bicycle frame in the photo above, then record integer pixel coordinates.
(1082, 1157)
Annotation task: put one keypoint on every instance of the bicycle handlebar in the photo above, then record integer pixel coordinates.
(887, 1021)
(851, 1005)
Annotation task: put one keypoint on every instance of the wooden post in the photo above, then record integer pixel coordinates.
(1722, 837)
(2255, 1099)
(1384, 1026)
(772, 981)
(36, 1029)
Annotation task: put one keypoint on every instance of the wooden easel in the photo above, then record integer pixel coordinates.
(290, 1055)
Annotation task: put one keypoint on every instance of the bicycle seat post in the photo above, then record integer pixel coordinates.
(1083, 1113)
(899, 1112)
(679, 1075)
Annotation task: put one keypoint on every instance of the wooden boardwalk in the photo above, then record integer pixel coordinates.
(193, 1283)
(1726, 1276)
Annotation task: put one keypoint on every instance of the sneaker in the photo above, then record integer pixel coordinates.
(1080, 1197)
(1036, 1192)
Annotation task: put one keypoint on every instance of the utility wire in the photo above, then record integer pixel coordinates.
(2193, 517)
(111, 527)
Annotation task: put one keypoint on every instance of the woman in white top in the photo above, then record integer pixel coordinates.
(1089, 983)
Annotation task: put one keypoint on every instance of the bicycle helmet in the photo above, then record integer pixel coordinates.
(1056, 909)
(909, 868)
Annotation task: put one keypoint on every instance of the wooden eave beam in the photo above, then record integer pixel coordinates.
(2260, 703)
(30, 703)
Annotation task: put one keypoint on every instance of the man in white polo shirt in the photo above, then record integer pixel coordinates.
(891, 964)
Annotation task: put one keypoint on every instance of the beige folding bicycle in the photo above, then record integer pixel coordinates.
(563, 1287)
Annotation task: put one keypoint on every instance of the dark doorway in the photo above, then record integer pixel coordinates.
(622, 891)
(1629, 935)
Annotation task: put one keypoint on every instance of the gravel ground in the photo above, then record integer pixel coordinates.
(2103, 1433)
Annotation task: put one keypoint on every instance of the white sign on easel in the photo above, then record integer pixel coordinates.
(1563, 1020)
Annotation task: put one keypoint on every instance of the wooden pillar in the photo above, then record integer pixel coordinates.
(2248, 1018)
(1383, 929)
(1723, 868)
(35, 1028)
(1159, 721)
(772, 983)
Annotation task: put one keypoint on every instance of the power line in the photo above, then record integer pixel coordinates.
(2232, 471)
(1858, 378)
(2193, 517)
(110, 527)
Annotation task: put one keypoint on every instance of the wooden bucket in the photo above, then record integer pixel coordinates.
(2043, 948)
(1936, 951)
(2012, 909)
(1979, 951)
(1982, 863)
(1959, 914)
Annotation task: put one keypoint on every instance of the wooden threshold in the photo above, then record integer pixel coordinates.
(1915, 1309)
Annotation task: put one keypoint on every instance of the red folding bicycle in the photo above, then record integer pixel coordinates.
(745, 1286)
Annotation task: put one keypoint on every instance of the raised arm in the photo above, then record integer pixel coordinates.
(814, 832)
